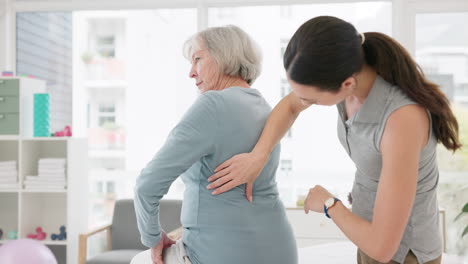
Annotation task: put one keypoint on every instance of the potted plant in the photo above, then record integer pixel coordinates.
(87, 57)
(464, 211)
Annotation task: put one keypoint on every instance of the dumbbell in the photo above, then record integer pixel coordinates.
(61, 236)
(39, 234)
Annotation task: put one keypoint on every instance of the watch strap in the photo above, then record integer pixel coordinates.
(325, 208)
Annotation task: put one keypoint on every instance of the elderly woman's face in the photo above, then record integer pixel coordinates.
(204, 70)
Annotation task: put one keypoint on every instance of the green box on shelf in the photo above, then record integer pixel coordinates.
(41, 115)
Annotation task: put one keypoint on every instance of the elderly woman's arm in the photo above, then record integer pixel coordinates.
(187, 143)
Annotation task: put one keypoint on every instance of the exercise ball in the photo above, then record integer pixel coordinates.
(23, 251)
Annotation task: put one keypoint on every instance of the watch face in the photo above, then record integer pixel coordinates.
(329, 202)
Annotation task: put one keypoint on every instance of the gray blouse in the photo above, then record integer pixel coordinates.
(360, 136)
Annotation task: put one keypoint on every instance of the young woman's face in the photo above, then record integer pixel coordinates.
(204, 70)
(310, 95)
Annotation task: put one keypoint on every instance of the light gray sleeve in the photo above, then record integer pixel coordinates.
(188, 142)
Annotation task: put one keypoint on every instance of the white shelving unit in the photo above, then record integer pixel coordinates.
(25, 210)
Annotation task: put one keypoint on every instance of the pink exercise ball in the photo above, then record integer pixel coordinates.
(23, 251)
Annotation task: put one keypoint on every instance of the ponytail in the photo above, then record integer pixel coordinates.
(326, 50)
(396, 66)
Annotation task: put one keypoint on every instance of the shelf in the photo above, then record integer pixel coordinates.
(43, 191)
(33, 150)
(9, 212)
(45, 210)
(24, 210)
(46, 138)
(10, 190)
(47, 242)
(9, 151)
(9, 137)
(17, 137)
(54, 242)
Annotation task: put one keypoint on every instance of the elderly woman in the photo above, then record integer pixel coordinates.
(226, 119)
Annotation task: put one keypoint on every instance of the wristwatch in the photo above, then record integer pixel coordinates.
(329, 203)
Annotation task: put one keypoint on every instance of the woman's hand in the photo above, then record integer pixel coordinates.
(316, 199)
(176, 234)
(157, 251)
(240, 169)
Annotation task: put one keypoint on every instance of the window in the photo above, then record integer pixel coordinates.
(105, 46)
(44, 50)
(107, 108)
(133, 75)
(316, 153)
(106, 121)
(99, 187)
(107, 115)
(286, 165)
(104, 50)
(110, 187)
(442, 52)
(283, 45)
(285, 88)
(134, 82)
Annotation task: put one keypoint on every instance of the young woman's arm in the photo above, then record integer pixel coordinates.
(405, 135)
(245, 168)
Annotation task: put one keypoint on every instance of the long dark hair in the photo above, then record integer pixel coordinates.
(326, 50)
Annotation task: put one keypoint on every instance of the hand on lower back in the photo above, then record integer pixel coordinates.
(157, 251)
(240, 169)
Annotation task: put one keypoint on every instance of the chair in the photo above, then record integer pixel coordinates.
(123, 238)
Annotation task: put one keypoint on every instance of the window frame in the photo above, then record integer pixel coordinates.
(403, 14)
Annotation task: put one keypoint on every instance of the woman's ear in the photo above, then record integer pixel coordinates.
(348, 85)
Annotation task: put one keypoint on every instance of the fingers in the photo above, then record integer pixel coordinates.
(159, 260)
(226, 187)
(167, 241)
(219, 174)
(218, 182)
(223, 165)
(307, 202)
(248, 191)
(306, 208)
(156, 257)
(157, 251)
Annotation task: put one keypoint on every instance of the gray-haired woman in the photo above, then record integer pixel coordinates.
(225, 120)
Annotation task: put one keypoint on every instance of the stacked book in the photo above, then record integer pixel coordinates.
(8, 175)
(51, 176)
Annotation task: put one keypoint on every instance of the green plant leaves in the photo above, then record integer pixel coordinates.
(464, 210)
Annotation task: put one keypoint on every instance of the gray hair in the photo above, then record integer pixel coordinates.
(233, 50)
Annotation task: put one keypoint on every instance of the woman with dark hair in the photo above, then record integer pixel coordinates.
(390, 121)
